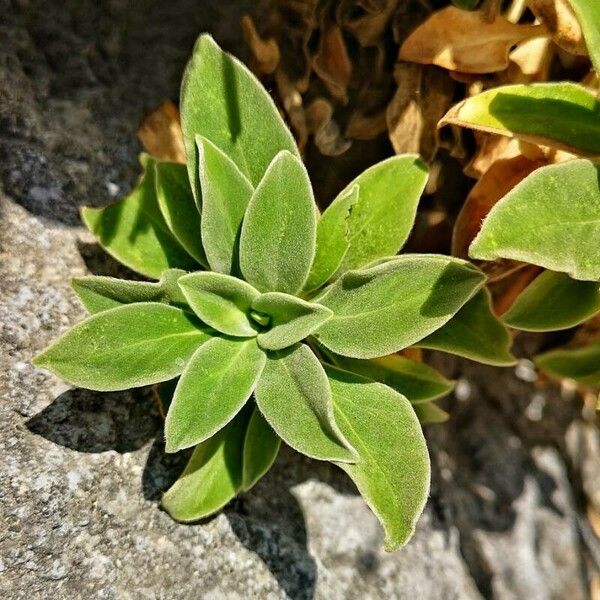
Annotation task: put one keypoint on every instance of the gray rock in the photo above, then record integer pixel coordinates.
(81, 472)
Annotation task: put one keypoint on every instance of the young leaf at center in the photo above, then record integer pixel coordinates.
(291, 319)
(294, 396)
(217, 382)
(277, 244)
(221, 301)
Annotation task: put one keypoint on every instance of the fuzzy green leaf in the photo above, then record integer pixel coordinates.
(332, 238)
(580, 364)
(588, 15)
(359, 227)
(213, 475)
(277, 244)
(382, 309)
(563, 115)
(415, 380)
(550, 219)
(217, 382)
(554, 301)
(475, 333)
(225, 196)
(293, 395)
(429, 413)
(134, 231)
(124, 347)
(291, 319)
(261, 446)
(176, 203)
(102, 293)
(221, 301)
(223, 101)
(392, 473)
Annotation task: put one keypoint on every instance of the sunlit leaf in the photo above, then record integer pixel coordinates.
(564, 115)
(474, 332)
(124, 347)
(294, 396)
(588, 14)
(382, 309)
(216, 383)
(98, 293)
(392, 472)
(290, 319)
(554, 301)
(225, 196)
(221, 301)
(134, 231)
(550, 219)
(222, 101)
(277, 244)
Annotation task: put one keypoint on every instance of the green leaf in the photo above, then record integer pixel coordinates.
(562, 115)
(124, 347)
(293, 395)
(392, 473)
(333, 232)
(429, 413)
(217, 382)
(550, 219)
(176, 203)
(355, 230)
(475, 333)
(225, 196)
(213, 475)
(588, 15)
(102, 293)
(134, 231)
(222, 101)
(277, 244)
(580, 364)
(554, 301)
(221, 301)
(291, 319)
(260, 449)
(382, 309)
(415, 380)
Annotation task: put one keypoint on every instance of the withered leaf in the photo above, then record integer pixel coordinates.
(466, 41)
(160, 134)
(560, 20)
(265, 51)
(365, 19)
(332, 63)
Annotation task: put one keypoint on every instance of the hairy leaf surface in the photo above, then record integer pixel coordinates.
(176, 203)
(134, 231)
(223, 101)
(294, 396)
(550, 219)
(261, 446)
(563, 115)
(291, 319)
(387, 307)
(393, 470)
(217, 382)
(225, 196)
(124, 347)
(554, 301)
(221, 301)
(588, 15)
(277, 244)
(474, 332)
(98, 293)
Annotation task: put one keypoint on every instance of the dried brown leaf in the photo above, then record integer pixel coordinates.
(320, 123)
(265, 52)
(160, 133)
(366, 20)
(561, 23)
(331, 62)
(466, 41)
(530, 61)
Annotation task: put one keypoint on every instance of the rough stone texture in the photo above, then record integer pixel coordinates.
(81, 472)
